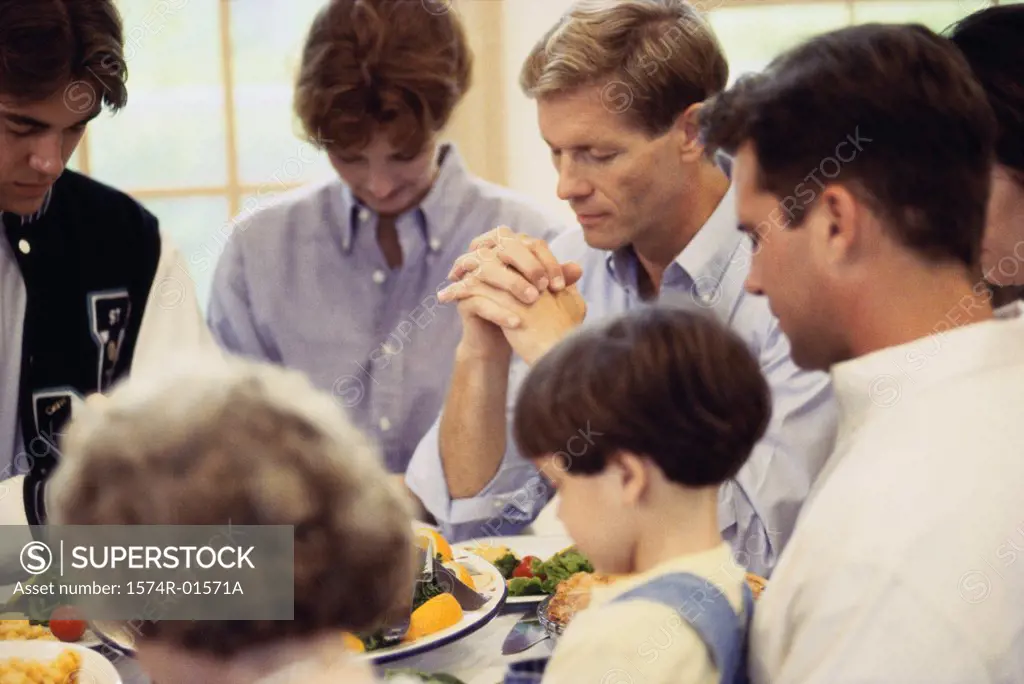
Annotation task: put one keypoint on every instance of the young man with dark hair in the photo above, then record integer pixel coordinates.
(992, 40)
(898, 570)
(89, 288)
(369, 250)
(675, 403)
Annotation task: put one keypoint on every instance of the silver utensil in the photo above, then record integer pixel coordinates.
(396, 626)
(526, 633)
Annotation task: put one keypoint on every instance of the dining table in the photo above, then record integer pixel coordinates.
(474, 659)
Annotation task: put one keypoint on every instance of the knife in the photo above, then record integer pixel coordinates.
(526, 633)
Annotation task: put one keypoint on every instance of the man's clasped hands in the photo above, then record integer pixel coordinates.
(513, 296)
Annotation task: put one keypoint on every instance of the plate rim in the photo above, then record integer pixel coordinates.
(108, 642)
(417, 648)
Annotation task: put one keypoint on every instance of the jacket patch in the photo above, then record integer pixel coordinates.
(51, 411)
(109, 313)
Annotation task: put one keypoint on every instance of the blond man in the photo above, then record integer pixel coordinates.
(618, 88)
(254, 445)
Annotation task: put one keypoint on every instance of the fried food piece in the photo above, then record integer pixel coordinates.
(573, 595)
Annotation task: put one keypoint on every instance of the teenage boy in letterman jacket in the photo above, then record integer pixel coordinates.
(90, 289)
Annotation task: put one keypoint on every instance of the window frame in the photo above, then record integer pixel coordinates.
(235, 191)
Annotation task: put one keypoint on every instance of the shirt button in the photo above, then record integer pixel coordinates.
(385, 424)
(364, 215)
(379, 277)
(435, 244)
(24, 246)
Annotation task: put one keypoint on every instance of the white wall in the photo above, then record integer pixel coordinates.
(529, 168)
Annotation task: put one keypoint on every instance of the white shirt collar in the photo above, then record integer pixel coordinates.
(882, 380)
(36, 216)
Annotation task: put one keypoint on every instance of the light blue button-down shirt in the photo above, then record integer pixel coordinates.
(758, 509)
(303, 283)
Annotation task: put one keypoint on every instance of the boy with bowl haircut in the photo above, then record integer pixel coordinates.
(674, 403)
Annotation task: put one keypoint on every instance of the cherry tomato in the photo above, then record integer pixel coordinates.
(66, 624)
(525, 567)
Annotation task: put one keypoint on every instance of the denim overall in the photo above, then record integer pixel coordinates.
(702, 606)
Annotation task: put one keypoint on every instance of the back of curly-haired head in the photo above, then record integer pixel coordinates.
(672, 385)
(248, 444)
(397, 67)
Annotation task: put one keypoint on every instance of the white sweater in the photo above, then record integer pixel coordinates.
(904, 564)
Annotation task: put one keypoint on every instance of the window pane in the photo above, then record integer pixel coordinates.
(197, 226)
(257, 201)
(935, 14)
(267, 38)
(753, 36)
(172, 133)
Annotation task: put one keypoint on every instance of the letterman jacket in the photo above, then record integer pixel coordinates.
(105, 295)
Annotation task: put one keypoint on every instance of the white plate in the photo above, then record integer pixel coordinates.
(95, 668)
(490, 584)
(542, 547)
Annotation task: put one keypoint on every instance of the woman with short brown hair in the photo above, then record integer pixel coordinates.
(339, 280)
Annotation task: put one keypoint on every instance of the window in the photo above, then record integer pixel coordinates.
(209, 131)
(752, 35)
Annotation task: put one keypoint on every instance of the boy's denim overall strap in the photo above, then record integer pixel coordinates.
(526, 671)
(702, 604)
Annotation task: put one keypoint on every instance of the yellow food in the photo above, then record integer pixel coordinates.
(352, 642)
(491, 552)
(62, 670)
(441, 545)
(462, 574)
(440, 612)
(18, 630)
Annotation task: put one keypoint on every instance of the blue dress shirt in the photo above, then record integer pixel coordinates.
(758, 509)
(303, 283)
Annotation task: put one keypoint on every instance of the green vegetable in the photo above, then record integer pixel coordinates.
(559, 567)
(373, 642)
(506, 565)
(426, 591)
(525, 586)
(36, 607)
(547, 574)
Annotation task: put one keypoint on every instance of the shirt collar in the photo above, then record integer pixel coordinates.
(434, 212)
(32, 218)
(870, 385)
(705, 260)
